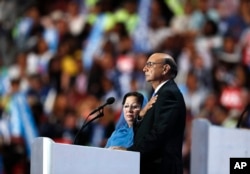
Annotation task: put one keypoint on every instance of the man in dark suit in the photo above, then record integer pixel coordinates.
(159, 133)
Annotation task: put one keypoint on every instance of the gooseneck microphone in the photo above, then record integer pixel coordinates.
(109, 101)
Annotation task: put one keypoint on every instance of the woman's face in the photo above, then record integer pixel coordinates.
(131, 108)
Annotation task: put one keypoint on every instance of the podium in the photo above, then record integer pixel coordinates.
(48, 157)
(213, 146)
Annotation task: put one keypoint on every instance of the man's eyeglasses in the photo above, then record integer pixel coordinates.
(151, 64)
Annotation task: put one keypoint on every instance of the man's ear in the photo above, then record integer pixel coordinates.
(166, 69)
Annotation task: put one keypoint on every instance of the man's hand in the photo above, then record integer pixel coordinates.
(148, 106)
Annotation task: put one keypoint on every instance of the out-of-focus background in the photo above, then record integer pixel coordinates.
(60, 59)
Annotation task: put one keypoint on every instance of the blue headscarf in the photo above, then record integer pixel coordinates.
(123, 135)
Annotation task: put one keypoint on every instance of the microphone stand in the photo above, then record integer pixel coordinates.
(241, 116)
(100, 114)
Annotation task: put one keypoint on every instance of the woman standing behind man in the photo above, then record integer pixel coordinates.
(134, 104)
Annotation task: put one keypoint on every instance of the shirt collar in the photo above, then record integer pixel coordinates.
(159, 86)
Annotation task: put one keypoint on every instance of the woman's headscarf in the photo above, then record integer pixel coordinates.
(123, 135)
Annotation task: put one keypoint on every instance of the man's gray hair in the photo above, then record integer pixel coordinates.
(173, 67)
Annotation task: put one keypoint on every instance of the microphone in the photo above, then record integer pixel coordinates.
(86, 123)
(109, 101)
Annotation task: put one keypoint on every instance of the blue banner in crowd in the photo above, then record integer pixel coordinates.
(3, 81)
(140, 35)
(21, 120)
(1, 86)
(93, 42)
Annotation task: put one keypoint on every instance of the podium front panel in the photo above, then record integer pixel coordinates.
(48, 157)
(213, 146)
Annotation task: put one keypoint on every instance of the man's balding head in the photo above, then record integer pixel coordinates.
(159, 68)
(167, 59)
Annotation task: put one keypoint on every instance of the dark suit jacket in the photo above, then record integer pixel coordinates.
(159, 136)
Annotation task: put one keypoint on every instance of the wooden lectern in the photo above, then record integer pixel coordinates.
(48, 157)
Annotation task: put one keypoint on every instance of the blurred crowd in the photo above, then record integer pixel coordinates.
(61, 59)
